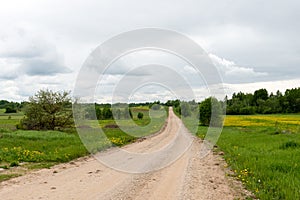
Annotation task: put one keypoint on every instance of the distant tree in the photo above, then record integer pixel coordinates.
(155, 106)
(185, 110)
(261, 103)
(89, 111)
(10, 110)
(260, 94)
(273, 105)
(117, 113)
(208, 107)
(99, 113)
(107, 113)
(48, 110)
(140, 115)
(292, 98)
(174, 103)
(3, 103)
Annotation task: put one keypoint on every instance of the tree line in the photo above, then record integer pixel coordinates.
(104, 112)
(261, 102)
(48, 110)
(11, 107)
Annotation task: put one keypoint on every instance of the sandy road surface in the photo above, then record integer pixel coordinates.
(188, 177)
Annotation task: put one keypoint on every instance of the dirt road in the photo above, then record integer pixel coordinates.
(188, 177)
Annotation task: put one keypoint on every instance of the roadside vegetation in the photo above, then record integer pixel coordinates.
(264, 153)
(47, 143)
(261, 150)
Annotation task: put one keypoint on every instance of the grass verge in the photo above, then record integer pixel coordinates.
(263, 151)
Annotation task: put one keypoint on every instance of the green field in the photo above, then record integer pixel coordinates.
(263, 151)
(39, 149)
(8, 121)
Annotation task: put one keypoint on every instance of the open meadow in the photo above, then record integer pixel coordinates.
(263, 151)
(22, 150)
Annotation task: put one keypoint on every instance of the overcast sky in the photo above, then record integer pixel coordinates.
(43, 44)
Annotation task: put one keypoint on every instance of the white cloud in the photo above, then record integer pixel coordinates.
(23, 51)
(231, 72)
(271, 86)
(9, 68)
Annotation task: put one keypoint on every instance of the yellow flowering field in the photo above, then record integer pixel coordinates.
(262, 120)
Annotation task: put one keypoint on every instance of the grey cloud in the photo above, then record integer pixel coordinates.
(43, 67)
(263, 37)
(32, 54)
(8, 76)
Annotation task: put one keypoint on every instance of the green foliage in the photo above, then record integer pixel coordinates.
(48, 110)
(10, 106)
(14, 164)
(39, 149)
(262, 103)
(292, 100)
(267, 164)
(173, 103)
(155, 106)
(185, 109)
(211, 112)
(140, 115)
(107, 113)
(10, 110)
(104, 112)
(260, 94)
(117, 113)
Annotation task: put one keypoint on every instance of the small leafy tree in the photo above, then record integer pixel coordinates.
(207, 107)
(185, 110)
(155, 106)
(48, 110)
(107, 113)
(140, 115)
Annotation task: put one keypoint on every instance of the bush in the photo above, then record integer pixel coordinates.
(211, 112)
(48, 110)
(10, 110)
(140, 115)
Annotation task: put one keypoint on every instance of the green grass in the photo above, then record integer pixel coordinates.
(4, 177)
(43, 149)
(37, 149)
(126, 132)
(268, 164)
(8, 122)
(39, 146)
(265, 159)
